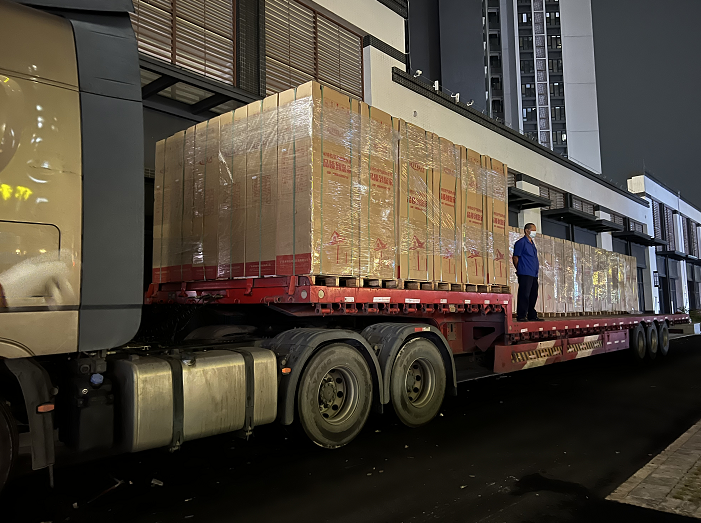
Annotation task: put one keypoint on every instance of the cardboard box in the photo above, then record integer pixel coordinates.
(238, 192)
(587, 279)
(559, 275)
(224, 196)
(473, 226)
(172, 208)
(446, 202)
(569, 275)
(578, 298)
(495, 220)
(188, 234)
(158, 211)
(198, 209)
(378, 236)
(261, 188)
(546, 246)
(415, 223)
(212, 186)
(319, 168)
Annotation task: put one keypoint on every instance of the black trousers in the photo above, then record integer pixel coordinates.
(527, 296)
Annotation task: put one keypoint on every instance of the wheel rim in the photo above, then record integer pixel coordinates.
(641, 345)
(420, 382)
(653, 343)
(338, 395)
(665, 339)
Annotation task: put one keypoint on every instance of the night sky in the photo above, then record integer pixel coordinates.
(648, 69)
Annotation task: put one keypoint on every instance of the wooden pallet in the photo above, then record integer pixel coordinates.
(383, 284)
(417, 285)
(336, 281)
(446, 286)
(499, 289)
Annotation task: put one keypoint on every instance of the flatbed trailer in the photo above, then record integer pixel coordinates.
(470, 322)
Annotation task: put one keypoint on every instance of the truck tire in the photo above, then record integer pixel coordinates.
(417, 383)
(638, 344)
(8, 443)
(334, 396)
(663, 339)
(651, 341)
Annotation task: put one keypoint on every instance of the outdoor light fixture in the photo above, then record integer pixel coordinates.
(456, 96)
(435, 85)
(470, 102)
(418, 73)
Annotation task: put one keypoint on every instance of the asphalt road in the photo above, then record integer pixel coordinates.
(545, 445)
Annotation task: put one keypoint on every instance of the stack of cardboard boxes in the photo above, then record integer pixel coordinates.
(313, 182)
(576, 278)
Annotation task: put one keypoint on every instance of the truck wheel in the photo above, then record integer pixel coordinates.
(417, 383)
(663, 339)
(8, 443)
(652, 341)
(334, 396)
(638, 346)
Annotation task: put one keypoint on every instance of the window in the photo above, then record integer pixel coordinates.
(525, 18)
(693, 239)
(494, 42)
(527, 67)
(497, 107)
(525, 43)
(552, 18)
(557, 113)
(555, 66)
(560, 137)
(528, 90)
(557, 89)
(198, 36)
(529, 114)
(495, 63)
(303, 45)
(555, 42)
(496, 83)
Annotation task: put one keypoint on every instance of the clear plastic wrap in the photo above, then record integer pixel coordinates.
(171, 247)
(569, 273)
(578, 291)
(559, 296)
(415, 218)
(446, 208)
(212, 186)
(546, 246)
(588, 278)
(474, 235)
(379, 133)
(495, 220)
(159, 173)
(224, 195)
(188, 240)
(514, 236)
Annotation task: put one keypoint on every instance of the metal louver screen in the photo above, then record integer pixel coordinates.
(685, 229)
(197, 35)
(669, 229)
(510, 179)
(617, 219)
(557, 199)
(302, 45)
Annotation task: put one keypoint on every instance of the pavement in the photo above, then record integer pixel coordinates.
(545, 445)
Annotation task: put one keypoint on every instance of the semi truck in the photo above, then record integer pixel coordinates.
(89, 364)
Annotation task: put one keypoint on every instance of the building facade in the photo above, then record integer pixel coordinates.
(197, 63)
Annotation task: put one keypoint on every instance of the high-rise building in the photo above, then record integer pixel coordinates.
(538, 58)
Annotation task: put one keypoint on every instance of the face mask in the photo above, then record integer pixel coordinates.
(532, 234)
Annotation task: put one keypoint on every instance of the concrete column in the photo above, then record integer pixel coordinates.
(604, 240)
(652, 297)
(529, 215)
(679, 240)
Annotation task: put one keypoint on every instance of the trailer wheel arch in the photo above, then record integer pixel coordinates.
(294, 348)
(388, 338)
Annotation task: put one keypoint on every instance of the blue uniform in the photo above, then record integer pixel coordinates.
(527, 258)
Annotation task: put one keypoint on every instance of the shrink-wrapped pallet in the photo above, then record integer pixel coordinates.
(514, 236)
(446, 205)
(473, 221)
(159, 173)
(568, 276)
(546, 245)
(172, 208)
(415, 228)
(559, 299)
(378, 161)
(495, 220)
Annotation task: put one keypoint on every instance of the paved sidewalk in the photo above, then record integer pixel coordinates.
(671, 482)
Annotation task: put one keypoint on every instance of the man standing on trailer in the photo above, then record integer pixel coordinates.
(526, 262)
